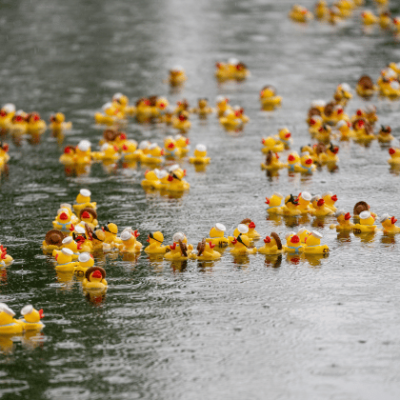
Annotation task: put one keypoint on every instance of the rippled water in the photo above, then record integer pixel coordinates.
(233, 329)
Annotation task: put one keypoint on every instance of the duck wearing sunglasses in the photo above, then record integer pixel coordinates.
(241, 243)
(155, 241)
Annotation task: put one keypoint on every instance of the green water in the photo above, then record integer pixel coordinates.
(235, 329)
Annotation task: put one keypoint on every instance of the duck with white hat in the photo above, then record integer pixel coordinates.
(342, 94)
(152, 179)
(231, 120)
(6, 114)
(64, 263)
(83, 200)
(217, 236)
(200, 155)
(319, 208)
(83, 153)
(68, 243)
(388, 225)
(63, 221)
(313, 244)
(86, 261)
(122, 103)
(175, 180)
(252, 234)
(304, 200)
(222, 103)
(366, 225)
(31, 318)
(130, 244)
(154, 156)
(180, 250)
(107, 153)
(8, 324)
(241, 242)
(111, 115)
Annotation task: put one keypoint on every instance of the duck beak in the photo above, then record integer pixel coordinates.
(394, 220)
(347, 216)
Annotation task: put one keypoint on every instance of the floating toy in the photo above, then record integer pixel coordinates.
(268, 98)
(321, 9)
(129, 242)
(385, 20)
(388, 225)
(364, 132)
(342, 94)
(200, 155)
(320, 209)
(153, 156)
(181, 121)
(251, 232)
(366, 225)
(291, 206)
(239, 112)
(179, 250)
(390, 89)
(31, 319)
(112, 114)
(58, 124)
(19, 125)
(206, 252)
(217, 236)
(345, 130)
(306, 165)
(222, 105)
(273, 245)
(233, 69)
(303, 234)
(4, 157)
(155, 241)
(324, 133)
(7, 112)
(396, 27)
(369, 18)
(370, 114)
(81, 154)
(35, 125)
(272, 162)
(123, 104)
(231, 120)
(81, 235)
(274, 203)
(111, 231)
(272, 144)
(241, 242)
(330, 200)
(152, 179)
(128, 151)
(64, 261)
(203, 109)
(53, 241)
(330, 155)
(5, 259)
(172, 150)
(98, 237)
(300, 14)
(304, 202)
(86, 261)
(344, 220)
(315, 123)
(107, 152)
(83, 201)
(385, 135)
(313, 244)
(394, 156)
(88, 216)
(365, 86)
(95, 279)
(9, 325)
(63, 222)
(285, 137)
(293, 244)
(293, 160)
(68, 243)
(177, 76)
(176, 183)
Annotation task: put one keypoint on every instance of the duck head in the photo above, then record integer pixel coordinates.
(217, 231)
(32, 315)
(83, 196)
(155, 238)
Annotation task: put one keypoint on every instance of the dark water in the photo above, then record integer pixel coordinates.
(236, 329)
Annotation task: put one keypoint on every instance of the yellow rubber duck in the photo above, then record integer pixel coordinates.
(181, 121)
(306, 165)
(177, 76)
(285, 136)
(365, 86)
(183, 144)
(98, 238)
(345, 130)
(251, 233)
(344, 220)
(19, 124)
(63, 222)
(123, 104)
(330, 155)
(304, 202)
(129, 242)
(274, 203)
(83, 201)
(7, 112)
(9, 325)
(31, 319)
(300, 14)
(385, 134)
(230, 120)
(35, 125)
(68, 243)
(88, 216)
(385, 20)
(269, 98)
(83, 153)
(64, 261)
(112, 114)
(200, 155)
(366, 225)
(4, 157)
(369, 18)
(390, 89)
(324, 133)
(272, 144)
(5, 258)
(171, 149)
(81, 235)
(293, 244)
(273, 245)
(203, 109)
(176, 183)
(222, 104)
(107, 152)
(321, 9)
(155, 241)
(206, 252)
(95, 279)
(396, 29)
(315, 123)
(52, 241)
(388, 225)
(241, 242)
(342, 94)
(303, 234)
(152, 179)
(216, 236)
(128, 150)
(370, 114)
(272, 162)
(320, 209)
(111, 231)
(153, 156)
(179, 250)
(364, 132)
(293, 160)
(291, 206)
(239, 112)
(85, 261)
(394, 156)
(330, 200)
(313, 244)
(58, 124)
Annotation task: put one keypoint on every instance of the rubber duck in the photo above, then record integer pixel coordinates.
(129, 242)
(390, 89)
(338, 114)
(179, 250)
(230, 120)
(293, 244)
(153, 156)
(273, 244)
(206, 252)
(172, 150)
(241, 242)
(181, 121)
(317, 105)
(396, 27)
(345, 130)
(88, 216)
(83, 201)
(182, 143)
(35, 125)
(177, 76)
(369, 18)
(82, 236)
(268, 98)
(272, 144)
(83, 152)
(68, 243)
(385, 19)
(111, 231)
(306, 165)
(272, 162)
(152, 179)
(239, 112)
(128, 150)
(19, 125)
(274, 203)
(222, 104)
(4, 157)
(63, 222)
(342, 94)
(321, 9)
(176, 183)
(251, 233)
(112, 114)
(330, 200)
(5, 259)
(222, 71)
(394, 156)
(7, 112)
(315, 123)
(370, 114)
(304, 202)
(366, 225)
(240, 69)
(363, 130)
(9, 325)
(344, 220)
(95, 279)
(98, 237)
(313, 244)
(200, 155)
(320, 209)
(31, 318)
(203, 109)
(291, 206)
(58, 124)
(86, 261)
(381, 2)
(300, 14)
(123, 104)
(64, 261)
(155, 241)
(387, 75)
(303, 234)
(53, 241)
(365, 86)
(330, 155)
(385, 135)
(324, 133)
(107, 152)
(388, 225)
(285, 136)
(293, 160)
(216, 236)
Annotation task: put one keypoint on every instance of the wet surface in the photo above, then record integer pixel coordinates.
(238, 328)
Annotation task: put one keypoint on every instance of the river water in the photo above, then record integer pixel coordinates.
(233, 329)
